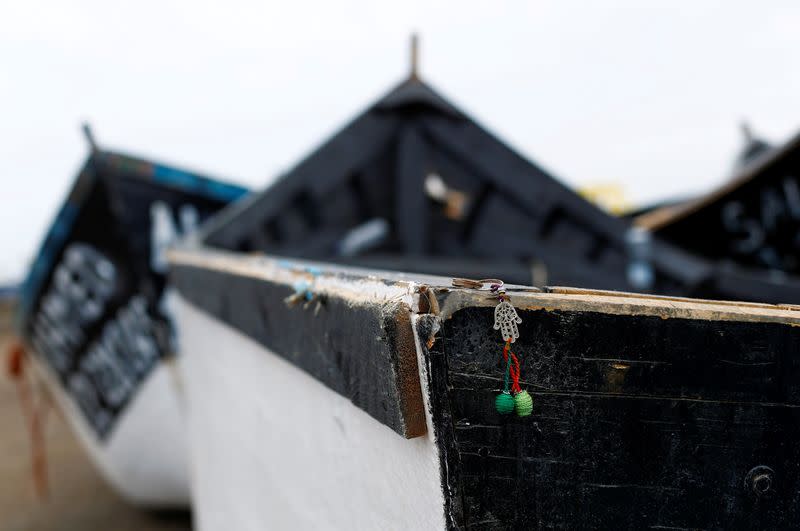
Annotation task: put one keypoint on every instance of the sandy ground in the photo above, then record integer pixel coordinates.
(78, 499)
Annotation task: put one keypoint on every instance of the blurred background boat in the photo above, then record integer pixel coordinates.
(413, 184)
(93, 312)
(753, 220)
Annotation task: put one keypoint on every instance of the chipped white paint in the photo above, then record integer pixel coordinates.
(273, 448)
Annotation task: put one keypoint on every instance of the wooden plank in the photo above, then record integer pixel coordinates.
(640, 420)
(687, 358)
(411, 204)
(330, 165)
(360, 346)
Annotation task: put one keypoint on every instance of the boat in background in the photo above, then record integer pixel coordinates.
(752, 149)
(414, 184)
(94, 311)
(751, 221)
(326, 396)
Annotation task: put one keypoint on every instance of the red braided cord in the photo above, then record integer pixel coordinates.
(514, 369)
(515, 374)
(505, 350)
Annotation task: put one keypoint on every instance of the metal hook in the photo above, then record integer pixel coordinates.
(495, 284)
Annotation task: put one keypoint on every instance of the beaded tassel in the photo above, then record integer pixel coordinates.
(512, 398)
(523, 403)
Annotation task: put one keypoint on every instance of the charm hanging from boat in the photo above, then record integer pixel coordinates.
(512, 397)
(506, 319)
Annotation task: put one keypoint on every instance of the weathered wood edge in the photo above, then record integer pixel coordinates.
(451, 299)
(399, 296)
(406, 371)
(363, 329)
(435, 381)
(619, 303)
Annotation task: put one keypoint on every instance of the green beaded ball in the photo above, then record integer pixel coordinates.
(504, 403)
(523, 403)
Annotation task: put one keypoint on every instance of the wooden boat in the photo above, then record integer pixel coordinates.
(323, 395)
(94, 312)
(329, 396)
(414, 184)
(752, 220)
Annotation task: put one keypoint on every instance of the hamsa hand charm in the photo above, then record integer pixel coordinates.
(506, 320)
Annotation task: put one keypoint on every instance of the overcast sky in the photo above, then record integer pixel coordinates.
(645, 94)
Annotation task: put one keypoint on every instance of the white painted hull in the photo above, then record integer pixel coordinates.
(144, 458)
(273, 448)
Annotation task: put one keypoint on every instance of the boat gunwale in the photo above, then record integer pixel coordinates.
(451, 299)
(346, 315)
